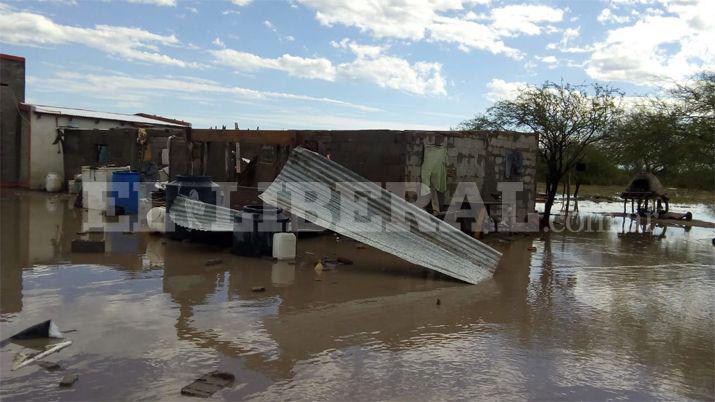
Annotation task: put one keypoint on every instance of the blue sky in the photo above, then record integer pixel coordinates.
(344, 64)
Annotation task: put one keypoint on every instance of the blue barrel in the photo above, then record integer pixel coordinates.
(199, 188)
(125, 190)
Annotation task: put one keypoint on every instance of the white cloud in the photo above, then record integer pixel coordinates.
(550, 61)
(470, 35)
(218, 42)
(135, 90)
(241, 3)
(269, 25)
(565, 45)
(438, 21)
(607, 16)
(193, 10)
(164, 3)
(371, 64)
(296, 66)
(498, 89)
(29, 29)
(658, 48)
(524, 19)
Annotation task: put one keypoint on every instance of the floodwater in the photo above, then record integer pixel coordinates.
(616, 314)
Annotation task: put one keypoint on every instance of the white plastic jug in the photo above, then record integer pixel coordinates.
(284, 246)
(53, 182)
(155, 219)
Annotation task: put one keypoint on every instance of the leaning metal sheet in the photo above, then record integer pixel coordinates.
(416, 236)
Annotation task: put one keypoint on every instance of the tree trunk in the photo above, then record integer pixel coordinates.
(551, 187)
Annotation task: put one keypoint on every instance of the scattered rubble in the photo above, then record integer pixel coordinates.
(68, 380)
(208, 384)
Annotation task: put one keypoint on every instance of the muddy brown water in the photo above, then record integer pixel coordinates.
(587, 316)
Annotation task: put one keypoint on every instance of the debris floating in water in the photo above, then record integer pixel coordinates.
(22, 360)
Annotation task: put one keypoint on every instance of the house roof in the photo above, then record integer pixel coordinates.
(93, 114)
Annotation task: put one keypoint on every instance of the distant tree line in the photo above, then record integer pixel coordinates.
(593, 126)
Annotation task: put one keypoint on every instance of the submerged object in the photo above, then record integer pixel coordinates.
(45, 329)
(430, 243)
(22, 360)
(207, 385)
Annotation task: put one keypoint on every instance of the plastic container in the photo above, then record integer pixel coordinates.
(199, 188)
(125, 192)
(155, 219)
(53, 182)
(96, 185)
(284, 246)
(254, 228)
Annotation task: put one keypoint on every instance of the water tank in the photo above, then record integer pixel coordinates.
(53, 182)
(199, 188)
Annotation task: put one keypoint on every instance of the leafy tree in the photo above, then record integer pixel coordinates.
(697, 106)
(567, 119)
(648, 138)
(672, 137)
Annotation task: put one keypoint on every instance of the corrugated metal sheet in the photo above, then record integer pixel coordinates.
(446, 250)
(198, 215)
(92, 114)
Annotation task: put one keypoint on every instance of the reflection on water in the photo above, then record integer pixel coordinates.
(617, 313)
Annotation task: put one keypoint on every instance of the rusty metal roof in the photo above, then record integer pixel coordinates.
(446, 250)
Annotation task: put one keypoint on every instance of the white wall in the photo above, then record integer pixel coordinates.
(45, 157)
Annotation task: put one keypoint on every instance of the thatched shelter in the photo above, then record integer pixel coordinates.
(645, 187)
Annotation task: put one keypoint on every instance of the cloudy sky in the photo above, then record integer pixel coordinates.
(344, 63)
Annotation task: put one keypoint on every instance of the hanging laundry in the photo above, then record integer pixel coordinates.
(434, 164)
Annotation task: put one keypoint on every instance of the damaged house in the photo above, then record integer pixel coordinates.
(438, 159)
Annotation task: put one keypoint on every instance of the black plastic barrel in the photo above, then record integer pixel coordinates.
(254, 228)
(199, 188)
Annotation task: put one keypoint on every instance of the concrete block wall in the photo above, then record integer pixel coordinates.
(377, 155)
(478, 157)
(396, 156)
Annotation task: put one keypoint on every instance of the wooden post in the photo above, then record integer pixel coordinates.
(480, 223)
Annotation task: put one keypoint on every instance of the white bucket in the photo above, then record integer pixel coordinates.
(53, 182)
(155, 219)
(284, 246)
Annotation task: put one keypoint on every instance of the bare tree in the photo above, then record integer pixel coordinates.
(566, 118)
